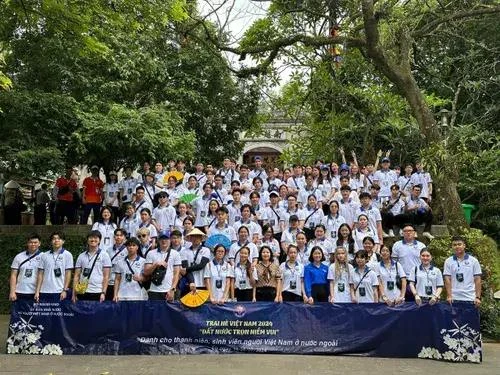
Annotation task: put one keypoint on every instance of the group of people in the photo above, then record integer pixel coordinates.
(311, 234)
(243, 271)
(391, 196)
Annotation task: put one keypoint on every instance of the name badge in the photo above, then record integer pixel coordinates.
(110, 194)
(203, 213)
(333, 234)
(128, 277)
(129, 191)
(57, 272)
(390, 285)
(86, 272)
(460, 277)
(218, 283)
(28, 273)
(293, 284)
(341, 287)
(428, 290)
(272, 222)
(362, 291)
(243, 283)
(106, 240)
(311, 225)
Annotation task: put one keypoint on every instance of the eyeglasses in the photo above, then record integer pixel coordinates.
(142, 235)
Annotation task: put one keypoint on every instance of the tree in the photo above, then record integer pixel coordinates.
(114, 60)
(385, 32)
(129, 136)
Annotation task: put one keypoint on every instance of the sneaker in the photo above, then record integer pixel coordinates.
(391, 233)
(385, 235)
(428, 235)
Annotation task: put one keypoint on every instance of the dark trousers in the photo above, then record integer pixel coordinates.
(110, 292)
(291, 297)
(89, 296)
(25, 297)
(65, 209)
(40, 214)
(389, 220)
(419, 218)
(243, 295)
(87, 207)
(157, 296)
(320, 292)
(265, 293)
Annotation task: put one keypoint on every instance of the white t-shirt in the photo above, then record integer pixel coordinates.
(385, 179)
(341, 284)
(359, 235)
(241, 280)
(422, 178)
(313, 217)
(364, 285)
(130, 290)
(274, 216)
(292, 277)
(130, 225)
(115, 255)
(127, 186)
(427, 280)
(408, 254)
(174, 260)
(107, 231)
(326, 244)
(254, 228)
(332, 225)
(190, 256)
(348, 210)
(165, 216)
(373, 214)
(218, 274)
(388, 278)
(234, 252)
(53, 264)
(85, 261)
(462, 273)
(304, 194)
(26, 271)
(200, 206)
(111, 191)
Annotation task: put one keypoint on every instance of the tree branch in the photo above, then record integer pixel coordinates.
(432, 25)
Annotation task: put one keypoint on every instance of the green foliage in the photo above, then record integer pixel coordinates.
(351, 107)
(486, 251)
(117, 61)
(129, 136)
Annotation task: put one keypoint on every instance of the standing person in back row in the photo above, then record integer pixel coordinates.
(462, 274)
(92, 195)
(64, 191)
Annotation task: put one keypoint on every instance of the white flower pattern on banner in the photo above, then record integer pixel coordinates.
(464, 344)
(25, 339)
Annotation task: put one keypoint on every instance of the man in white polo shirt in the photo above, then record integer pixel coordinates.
(194, 260)
(54, 271)
(93, 266)
(162, 267)
(24, 270)
(462, 274)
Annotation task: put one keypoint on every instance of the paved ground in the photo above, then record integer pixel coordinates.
(237, 364)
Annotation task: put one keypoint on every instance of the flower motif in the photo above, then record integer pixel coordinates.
(463, 342)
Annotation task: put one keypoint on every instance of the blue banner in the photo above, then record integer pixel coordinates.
(154, 327)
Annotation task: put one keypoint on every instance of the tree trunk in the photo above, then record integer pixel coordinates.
(399, 73)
